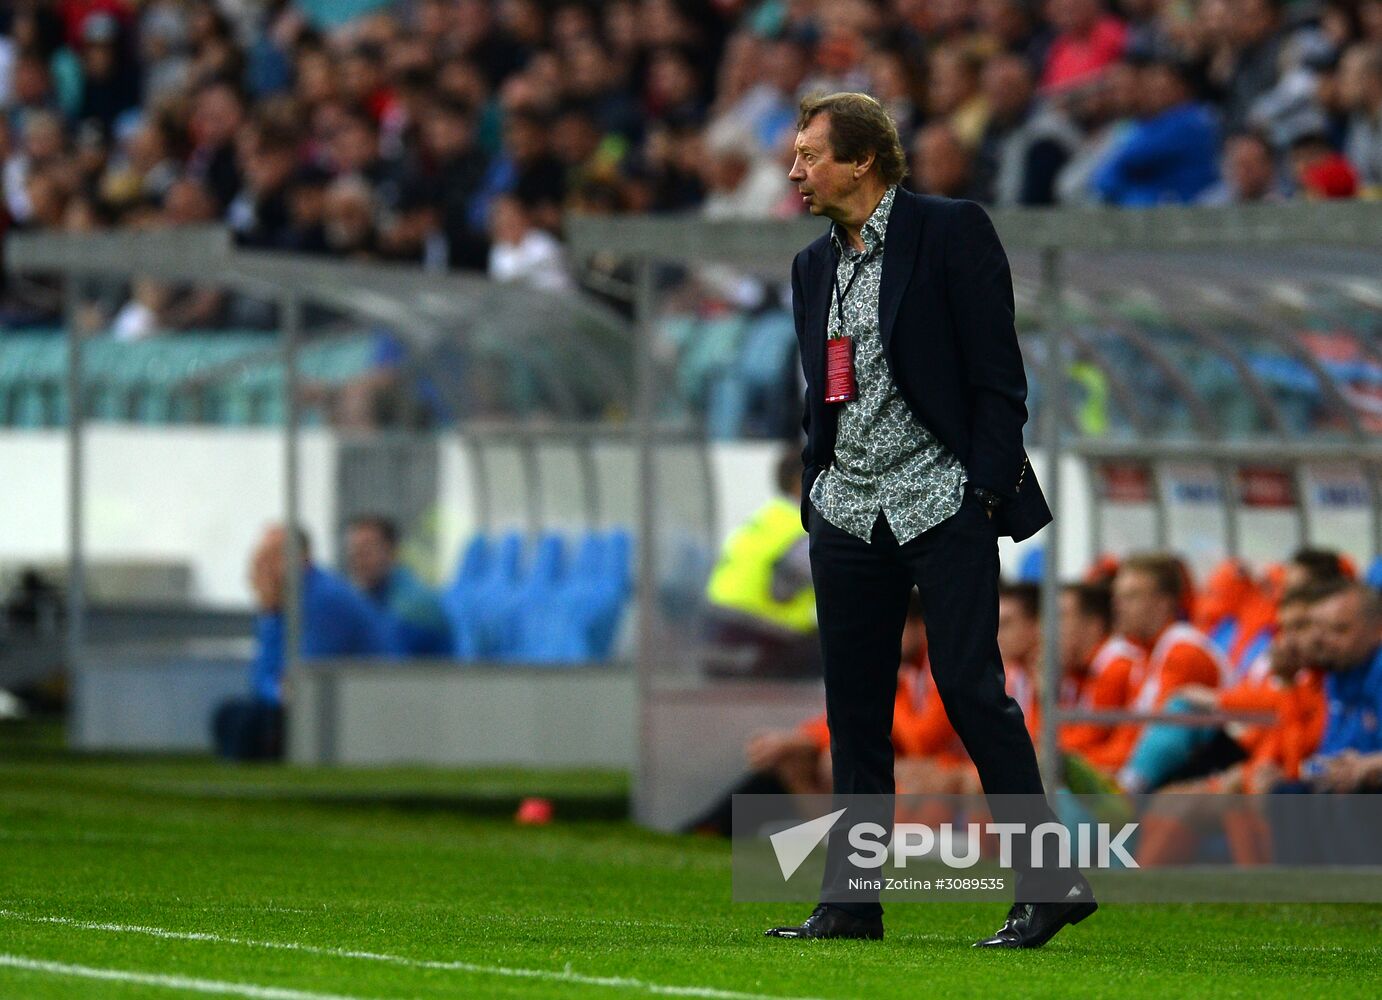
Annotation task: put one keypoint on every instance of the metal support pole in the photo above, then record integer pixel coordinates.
(1054, 375)
(644, 411)
(1160, 507)
(1372, 475)
(291, 322)
(532, 480)
(1228, 487)
(1301, 486)
(1094, 495)
(76, 549)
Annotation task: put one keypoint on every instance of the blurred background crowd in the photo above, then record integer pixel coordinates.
(458, 133)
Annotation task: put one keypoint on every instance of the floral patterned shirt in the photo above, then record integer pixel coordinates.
(884, 459)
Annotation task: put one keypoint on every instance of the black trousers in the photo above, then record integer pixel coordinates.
(862, 590)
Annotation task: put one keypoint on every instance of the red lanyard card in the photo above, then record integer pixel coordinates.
(839, 370)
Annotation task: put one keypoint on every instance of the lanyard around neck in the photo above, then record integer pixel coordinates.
(835, 285)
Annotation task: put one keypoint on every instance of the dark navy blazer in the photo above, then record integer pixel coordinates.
(945, 309)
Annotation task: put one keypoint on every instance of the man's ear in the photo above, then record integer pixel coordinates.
(861, 167)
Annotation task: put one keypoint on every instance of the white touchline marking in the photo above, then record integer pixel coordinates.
(170, 982)
(565, 976)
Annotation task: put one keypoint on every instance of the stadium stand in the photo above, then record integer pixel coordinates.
(391, 131)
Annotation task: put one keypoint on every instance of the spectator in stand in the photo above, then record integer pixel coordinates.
(453, 169)
(145, 165)
(1026, 143)
(892, 82)
(527, 169)
(162, 34)
(217, 116)
(1012, 26)
(1104, 112)
(335, 621)
(769, 104)
(417, 623)
(110, 85)
(1088, 40)
(1259, 34)
(349, 218)
(941, 164)
(306, 231)
(1170, 155)
(1321, 171)
(1360, 86)
(260, 214)
(587, 154)
(520, 251)
(955, 96)
(740, 181)
(43, 151)
(1250, 174)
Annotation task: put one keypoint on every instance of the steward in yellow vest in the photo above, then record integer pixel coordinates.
(764, 571)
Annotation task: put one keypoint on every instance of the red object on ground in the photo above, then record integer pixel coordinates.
(534, 812)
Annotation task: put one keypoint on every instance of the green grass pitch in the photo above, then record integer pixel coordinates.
(158, 877)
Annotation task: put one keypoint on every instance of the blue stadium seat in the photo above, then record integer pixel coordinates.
(587, 608)
(537, 612)
(460, 599)
(497, 597)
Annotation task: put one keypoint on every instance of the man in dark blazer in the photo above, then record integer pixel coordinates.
(914, 465)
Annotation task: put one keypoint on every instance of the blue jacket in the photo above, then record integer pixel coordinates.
(1354, 697)
(417, 623)
(1170, 158)
(336, 621)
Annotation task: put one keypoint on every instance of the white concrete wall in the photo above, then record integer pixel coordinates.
(194, 495)
(202, 496)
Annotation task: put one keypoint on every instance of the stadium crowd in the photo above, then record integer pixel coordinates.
(1286, 663)
(457, 133)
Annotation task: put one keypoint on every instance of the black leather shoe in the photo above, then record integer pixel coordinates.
(831, 922)
(1031, 925)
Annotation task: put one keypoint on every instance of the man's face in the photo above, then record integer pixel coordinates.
(1161, 89)
(1249, 167)
(369, 557)
(1345, 637)
(1293, 635)
(826, 183)
(1139, 609)
(1252, 19)
(1357, 82)
(1019, 633)
(942, 165)
(1008, 86)
(1072, 15)
(1080, 634)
